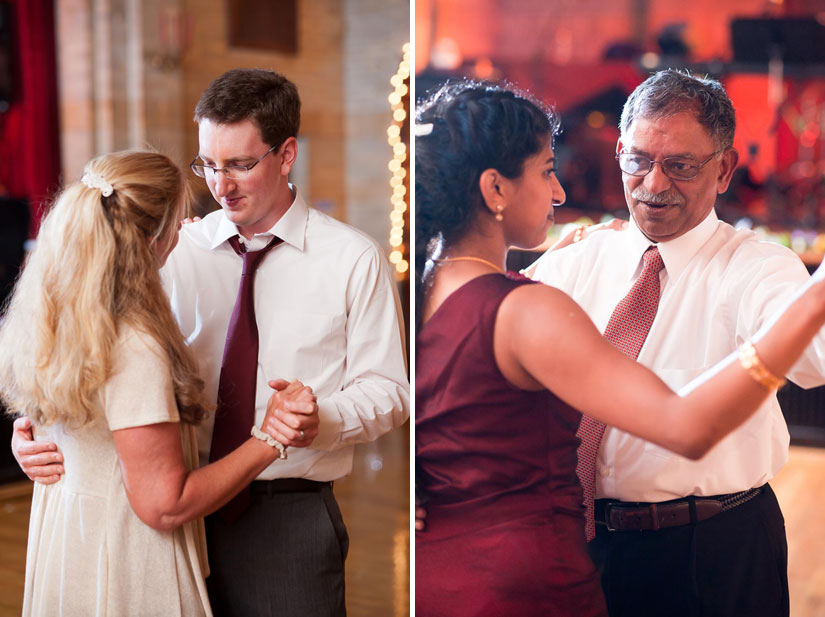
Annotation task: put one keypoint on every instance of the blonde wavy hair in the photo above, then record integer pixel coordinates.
(94, 270)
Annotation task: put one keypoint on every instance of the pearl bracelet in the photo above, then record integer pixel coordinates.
(269, 440)
(752, 363)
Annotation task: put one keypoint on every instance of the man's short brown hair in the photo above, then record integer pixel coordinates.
(265, 97)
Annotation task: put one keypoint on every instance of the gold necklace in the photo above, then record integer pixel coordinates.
(471, 258)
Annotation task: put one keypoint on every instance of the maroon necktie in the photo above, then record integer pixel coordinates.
(627, 330)
(235, 413)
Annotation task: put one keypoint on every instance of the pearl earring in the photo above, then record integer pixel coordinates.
(499, 215)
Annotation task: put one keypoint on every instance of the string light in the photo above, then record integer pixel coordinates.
(399, 102)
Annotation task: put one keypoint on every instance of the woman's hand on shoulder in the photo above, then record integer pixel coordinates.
(582, 232)
(577, 235)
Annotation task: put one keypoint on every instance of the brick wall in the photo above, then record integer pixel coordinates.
(375, 31)
(120, 88)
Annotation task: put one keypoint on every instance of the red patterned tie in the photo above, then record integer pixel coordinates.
(235, 414)
(627, 330)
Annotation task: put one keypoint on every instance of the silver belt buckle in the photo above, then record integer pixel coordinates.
(607, 508)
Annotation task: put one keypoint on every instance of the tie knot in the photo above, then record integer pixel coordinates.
(653, 260)
(251, 259)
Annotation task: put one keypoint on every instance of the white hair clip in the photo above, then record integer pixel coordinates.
(96, 181)
(423, 129)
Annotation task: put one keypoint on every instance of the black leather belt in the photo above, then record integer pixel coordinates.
(637, 516)
(286, 485)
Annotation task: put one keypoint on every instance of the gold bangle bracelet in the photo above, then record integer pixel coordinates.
(579, 234)
(752, 363)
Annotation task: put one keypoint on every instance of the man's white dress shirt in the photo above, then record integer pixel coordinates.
(328, 314)
(719, 286)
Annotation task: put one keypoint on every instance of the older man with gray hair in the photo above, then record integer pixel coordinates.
(673, 536)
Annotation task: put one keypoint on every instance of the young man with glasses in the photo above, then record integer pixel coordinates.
(672, 536)
(324, 309)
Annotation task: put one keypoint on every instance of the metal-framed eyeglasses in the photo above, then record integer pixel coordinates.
(232, 172)
(675, 167)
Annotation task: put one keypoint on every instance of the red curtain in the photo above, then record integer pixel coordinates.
(29, 130)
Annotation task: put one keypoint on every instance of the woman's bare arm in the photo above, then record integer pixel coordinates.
(544, 339)
(165, 494)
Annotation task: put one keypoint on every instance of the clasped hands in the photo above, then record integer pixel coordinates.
(291, 413)
(291, 418)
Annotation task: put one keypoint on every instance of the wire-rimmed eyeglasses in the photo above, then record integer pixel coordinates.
(676, 167)
(233, 172)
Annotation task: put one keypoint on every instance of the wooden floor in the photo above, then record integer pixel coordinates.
(15, 500)
(375, 504)
(800, 488)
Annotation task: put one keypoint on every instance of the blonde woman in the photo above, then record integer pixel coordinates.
(90, 352)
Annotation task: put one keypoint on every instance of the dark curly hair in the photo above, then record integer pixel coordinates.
(475, 126)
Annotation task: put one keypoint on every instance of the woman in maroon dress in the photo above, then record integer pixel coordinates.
(501, 360)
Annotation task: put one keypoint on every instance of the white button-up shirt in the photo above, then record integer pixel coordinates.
(328, 314)
(719, 286)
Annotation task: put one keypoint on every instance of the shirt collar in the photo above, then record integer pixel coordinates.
(676, 253)
(291, 227)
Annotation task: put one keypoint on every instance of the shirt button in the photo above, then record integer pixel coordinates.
(605, 471)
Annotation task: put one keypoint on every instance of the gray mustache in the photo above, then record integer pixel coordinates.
(665, 197)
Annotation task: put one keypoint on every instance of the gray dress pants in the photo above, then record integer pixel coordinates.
(284, 556)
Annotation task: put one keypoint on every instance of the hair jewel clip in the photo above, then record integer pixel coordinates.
(96, 181)
(423, 129)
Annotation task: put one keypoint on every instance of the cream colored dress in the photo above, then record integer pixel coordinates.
(88, 553)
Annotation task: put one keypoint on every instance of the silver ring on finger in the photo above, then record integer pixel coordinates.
(303, 435)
